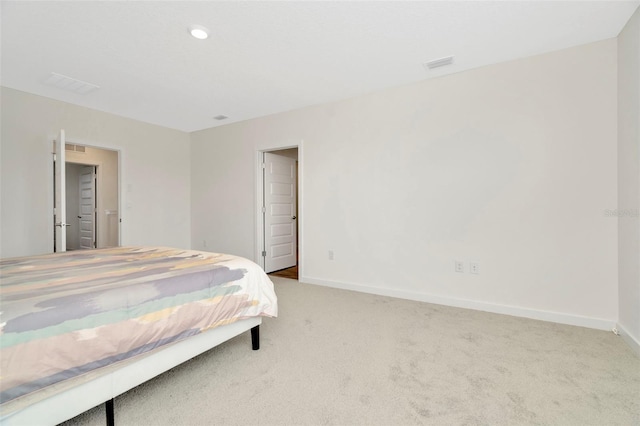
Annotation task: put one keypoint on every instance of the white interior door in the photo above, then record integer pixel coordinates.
(279, 212)
(59, 189)
(87, 208)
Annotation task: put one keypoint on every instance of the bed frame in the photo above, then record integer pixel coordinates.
(53, 406)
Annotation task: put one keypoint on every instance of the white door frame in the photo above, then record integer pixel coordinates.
(259, 239)
(59, 189)
(121, 174)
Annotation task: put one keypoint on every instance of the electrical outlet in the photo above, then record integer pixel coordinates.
(459, 266)
(330, 254)
(474, 267)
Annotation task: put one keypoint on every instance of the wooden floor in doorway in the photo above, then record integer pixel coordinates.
(291, 273)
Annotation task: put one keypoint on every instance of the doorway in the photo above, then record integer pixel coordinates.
(86, 196)
(279, 211)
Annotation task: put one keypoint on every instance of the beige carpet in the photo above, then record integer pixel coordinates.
(336, 357)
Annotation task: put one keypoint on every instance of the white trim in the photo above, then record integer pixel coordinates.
(258, 259)
(557, 317)
(629, 339)
(300, 207)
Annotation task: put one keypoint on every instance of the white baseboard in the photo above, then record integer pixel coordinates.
(630, 339)
(557, 317)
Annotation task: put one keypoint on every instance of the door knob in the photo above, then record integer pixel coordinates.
(293, 217)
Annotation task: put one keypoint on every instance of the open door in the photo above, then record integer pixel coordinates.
(279, 212)
(59, 197)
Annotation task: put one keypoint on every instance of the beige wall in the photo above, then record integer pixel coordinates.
(511, 165)
(155, 163)
(629, 180)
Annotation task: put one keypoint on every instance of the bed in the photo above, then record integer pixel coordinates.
(79, 328)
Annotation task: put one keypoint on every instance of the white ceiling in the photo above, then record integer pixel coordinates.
(266, 57)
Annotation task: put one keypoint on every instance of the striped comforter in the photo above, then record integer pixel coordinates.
(66, 314)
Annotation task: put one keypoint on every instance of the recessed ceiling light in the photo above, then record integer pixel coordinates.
(199, 32)
(220, 117)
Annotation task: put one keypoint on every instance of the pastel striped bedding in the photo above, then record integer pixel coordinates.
(67, 314)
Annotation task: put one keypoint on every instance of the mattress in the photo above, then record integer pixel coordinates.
(69, 314)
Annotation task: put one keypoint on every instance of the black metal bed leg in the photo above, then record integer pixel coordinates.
(108, 406)
(255, 337)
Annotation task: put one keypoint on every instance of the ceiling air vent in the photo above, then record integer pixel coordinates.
(71, 84)
(436, 63)
(76, 148)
